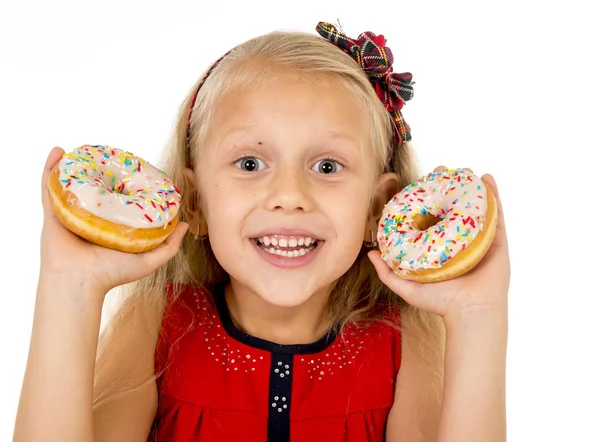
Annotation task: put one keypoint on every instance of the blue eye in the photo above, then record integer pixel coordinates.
(250, 164)
(328, 166)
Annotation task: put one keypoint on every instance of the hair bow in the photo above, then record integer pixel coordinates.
(376, 59)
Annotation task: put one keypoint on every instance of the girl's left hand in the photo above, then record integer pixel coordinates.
(485, 286)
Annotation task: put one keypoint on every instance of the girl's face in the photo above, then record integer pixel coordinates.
(286, 180)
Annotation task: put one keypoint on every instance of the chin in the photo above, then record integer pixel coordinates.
(286, 292)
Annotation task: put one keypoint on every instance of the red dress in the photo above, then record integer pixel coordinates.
(221, 384)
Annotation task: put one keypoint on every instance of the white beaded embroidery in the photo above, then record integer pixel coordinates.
(338, 356)
(219, 348)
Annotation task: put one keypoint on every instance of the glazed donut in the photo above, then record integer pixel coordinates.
(438, 227)
(113, 198)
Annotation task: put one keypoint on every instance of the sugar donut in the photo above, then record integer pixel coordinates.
(439, 227)
(113, 198)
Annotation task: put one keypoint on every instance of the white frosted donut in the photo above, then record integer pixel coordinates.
(439, 227)
(114, 198)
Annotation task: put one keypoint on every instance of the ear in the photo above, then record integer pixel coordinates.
(191, 206)
(385, 189)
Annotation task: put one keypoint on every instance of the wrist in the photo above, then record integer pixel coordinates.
(61, 285)
(477, 317)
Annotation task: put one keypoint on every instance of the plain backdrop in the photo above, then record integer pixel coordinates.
(509, 87)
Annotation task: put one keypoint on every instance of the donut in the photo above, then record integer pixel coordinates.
(439, 227)
(113, 198)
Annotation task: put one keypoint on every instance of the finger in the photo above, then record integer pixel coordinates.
(468, 170)
(167, 250)
(401, 287)
(440, 169)
(491, 182)
(53, 158)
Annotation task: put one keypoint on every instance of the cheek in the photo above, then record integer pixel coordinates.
(348, 211)
(349, 218)
(223, 209)
(224, 216)
(226, 207)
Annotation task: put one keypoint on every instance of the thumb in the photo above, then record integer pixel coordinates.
(402, 287)
(53, 158)
(167, 250)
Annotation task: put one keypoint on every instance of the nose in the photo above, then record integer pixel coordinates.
(289, 191)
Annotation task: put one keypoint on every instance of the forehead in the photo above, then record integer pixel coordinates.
(292, 104)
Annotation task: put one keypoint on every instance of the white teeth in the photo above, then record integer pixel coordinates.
(285, 242)
(289, 253)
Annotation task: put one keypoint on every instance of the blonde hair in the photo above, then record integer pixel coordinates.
(358, 296)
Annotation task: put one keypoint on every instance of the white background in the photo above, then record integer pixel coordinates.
(507, 87)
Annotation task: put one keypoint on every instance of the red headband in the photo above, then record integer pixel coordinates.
(376, 59)
(189, 118)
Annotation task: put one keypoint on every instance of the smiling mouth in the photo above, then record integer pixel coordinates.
(288, 246)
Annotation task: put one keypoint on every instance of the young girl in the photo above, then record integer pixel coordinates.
(266, 315)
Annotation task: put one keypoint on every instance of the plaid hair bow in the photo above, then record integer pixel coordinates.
(371, 53)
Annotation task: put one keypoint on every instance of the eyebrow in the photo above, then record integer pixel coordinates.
(342, 135)
(330, 134)
(235, 131)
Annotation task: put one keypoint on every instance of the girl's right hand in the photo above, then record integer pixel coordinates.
(65, 255)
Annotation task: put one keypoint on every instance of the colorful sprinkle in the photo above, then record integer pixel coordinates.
(104, 178)
(404, 247)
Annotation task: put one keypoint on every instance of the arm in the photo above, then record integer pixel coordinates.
(57, 387)
(473, 404)
(474, 308)
(57, 392)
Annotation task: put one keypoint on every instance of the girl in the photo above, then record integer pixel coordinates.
(264, 316)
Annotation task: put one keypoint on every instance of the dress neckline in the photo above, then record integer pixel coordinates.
(262, 344)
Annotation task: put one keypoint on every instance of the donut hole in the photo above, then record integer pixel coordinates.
(114, 184)
(424, 222)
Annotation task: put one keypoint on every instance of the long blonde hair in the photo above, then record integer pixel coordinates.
(358, 296)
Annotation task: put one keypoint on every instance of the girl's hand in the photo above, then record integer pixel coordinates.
(66, 256)
(485, 286)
